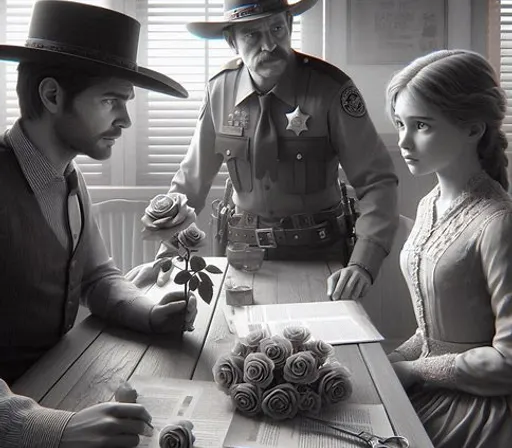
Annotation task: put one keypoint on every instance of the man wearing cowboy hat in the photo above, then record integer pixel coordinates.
(74, 81)
(283, 122)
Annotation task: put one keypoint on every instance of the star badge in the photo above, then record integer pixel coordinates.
(297, 121)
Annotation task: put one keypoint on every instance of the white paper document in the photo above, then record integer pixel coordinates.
(299, 432)
(169, 400)
(341, 322)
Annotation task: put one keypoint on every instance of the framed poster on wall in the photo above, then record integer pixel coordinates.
(394, 31)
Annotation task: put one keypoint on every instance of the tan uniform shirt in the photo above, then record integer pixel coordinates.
(336, 129)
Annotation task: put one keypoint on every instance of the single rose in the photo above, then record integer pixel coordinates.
(322, 350)
(258, 370)
(334, 384)
(277, 349)
(247, 398)
(298, 336)
(254, 338)
(227, 371)
(192, 236)
(309, 400)
(177, 435)
(241, 349)
(281, 402)
(301, 368)
(166, 211)
(125, 393)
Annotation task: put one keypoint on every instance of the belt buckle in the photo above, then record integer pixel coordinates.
(265, 238)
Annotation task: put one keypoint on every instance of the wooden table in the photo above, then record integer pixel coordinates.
(88, 363)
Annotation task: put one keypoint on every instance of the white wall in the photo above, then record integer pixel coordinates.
(372, 79)
(465, 29)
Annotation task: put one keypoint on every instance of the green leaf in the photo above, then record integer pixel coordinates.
(166, 265)
(197, 263)
(182, 277)
(213, 269)
(206, 291)
(193, 283)
(205, 278)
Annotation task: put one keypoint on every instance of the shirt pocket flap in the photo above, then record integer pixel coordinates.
(232, 147)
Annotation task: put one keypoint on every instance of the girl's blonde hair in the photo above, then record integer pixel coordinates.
(465, 88)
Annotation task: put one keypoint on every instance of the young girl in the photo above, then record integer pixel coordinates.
(457, 367)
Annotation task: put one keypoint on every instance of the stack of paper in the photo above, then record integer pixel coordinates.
(169, 400)
(263, 432)
(342, 322)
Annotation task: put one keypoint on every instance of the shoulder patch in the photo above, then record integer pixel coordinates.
(325, 67)
(234, 64)
(352, 102)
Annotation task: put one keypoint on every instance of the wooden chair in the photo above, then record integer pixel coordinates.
(120, 226)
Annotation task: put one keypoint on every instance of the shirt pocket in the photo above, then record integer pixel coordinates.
(235, 151)
(306, 165)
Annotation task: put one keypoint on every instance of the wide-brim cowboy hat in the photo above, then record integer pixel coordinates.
(241, 11)
(87, 37)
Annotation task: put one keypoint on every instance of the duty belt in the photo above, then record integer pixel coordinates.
(300, 230)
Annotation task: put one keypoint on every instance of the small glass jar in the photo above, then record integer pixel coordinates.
(244, 257)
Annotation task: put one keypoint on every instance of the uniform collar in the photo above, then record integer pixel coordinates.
(36, 168)
(284, 89)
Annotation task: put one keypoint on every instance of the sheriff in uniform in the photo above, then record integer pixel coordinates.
(283, 130)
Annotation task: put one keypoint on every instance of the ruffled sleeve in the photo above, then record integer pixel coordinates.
(408, 350)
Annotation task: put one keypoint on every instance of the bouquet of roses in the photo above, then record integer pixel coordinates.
(281, 376)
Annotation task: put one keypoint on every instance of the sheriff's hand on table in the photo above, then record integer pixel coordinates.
(167, 316)
(106, 424)
(350, 283)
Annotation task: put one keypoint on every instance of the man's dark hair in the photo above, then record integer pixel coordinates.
(30, 74)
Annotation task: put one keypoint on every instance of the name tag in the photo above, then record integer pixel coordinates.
(233, 130)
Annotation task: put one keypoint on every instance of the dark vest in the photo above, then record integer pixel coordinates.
(40, 281)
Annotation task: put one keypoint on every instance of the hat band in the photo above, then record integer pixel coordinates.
(242, 11)
(89, 53)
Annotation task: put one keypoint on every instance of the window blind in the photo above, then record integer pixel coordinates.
(15, 20)
(165, 125)
(506, 60)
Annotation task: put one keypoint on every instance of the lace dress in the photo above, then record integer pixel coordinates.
(459, 272)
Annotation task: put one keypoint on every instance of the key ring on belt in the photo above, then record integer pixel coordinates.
(370, 439)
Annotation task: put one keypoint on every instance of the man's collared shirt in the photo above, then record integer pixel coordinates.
(49, 187)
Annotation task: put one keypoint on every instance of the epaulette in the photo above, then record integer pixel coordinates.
(234, 64)
(325, 67)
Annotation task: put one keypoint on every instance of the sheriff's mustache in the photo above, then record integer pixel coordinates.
(268, 56)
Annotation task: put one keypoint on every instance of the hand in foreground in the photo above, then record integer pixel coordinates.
(148, 274)
(170, 315)
(348, 283)
(405, 373)
(106, 424)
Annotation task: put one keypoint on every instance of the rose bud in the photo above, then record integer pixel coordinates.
(258, 370)
(125, 393)
(247, 398)
(281, 402)
(227, 371)
(177, 435)
(334, 384)
(277, 349)
(301, 368)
